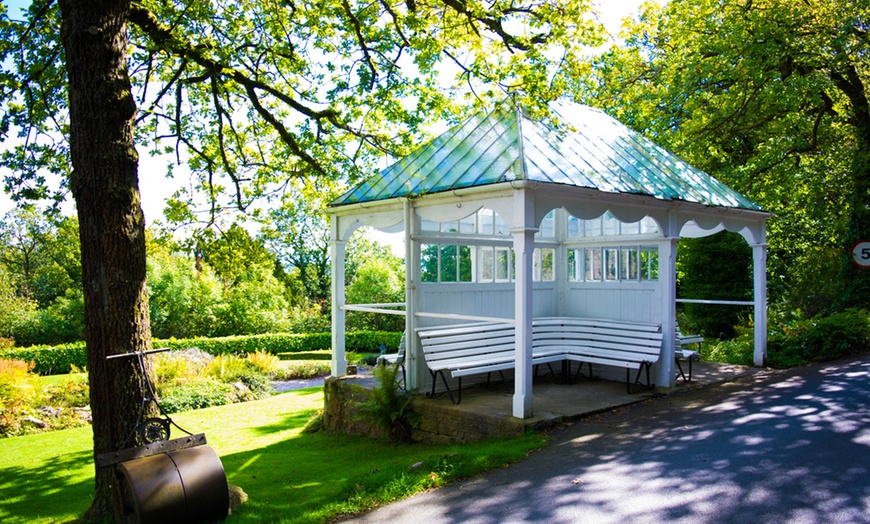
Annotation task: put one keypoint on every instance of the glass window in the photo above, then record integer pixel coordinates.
(611, 263)
(648, 226)
(485, 264)
(429, 262)
(573, 227)
(629, 263)
(611, 225)
(448, 264)
(465, 273)
(502, 264)
(592, 264)
(649, 263)
(485, 224)
(450, 227)
(500, 227)
(548, 226)
(468, 224)
(574, 272)
(544, 264)
(429, 225)
(592, 228)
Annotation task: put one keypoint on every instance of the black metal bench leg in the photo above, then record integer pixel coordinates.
(446, 386)
(680, 369)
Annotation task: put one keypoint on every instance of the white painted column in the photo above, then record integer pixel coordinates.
(759, 276)
(668, 283)
(337, 249)
(412, 276)
(523, 230)
(524, 246)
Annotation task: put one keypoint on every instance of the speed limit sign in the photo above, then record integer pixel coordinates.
(861, 254)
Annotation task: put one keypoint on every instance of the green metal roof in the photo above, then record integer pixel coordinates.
(595, 151)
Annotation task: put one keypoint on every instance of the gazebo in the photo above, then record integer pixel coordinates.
(509, 218)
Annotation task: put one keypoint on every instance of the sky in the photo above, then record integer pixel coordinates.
(155, 188)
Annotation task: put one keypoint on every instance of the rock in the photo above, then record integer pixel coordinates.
(35, 421)
(415, 466)
(237, 497)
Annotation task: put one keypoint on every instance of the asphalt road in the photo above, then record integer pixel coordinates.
(778, 447)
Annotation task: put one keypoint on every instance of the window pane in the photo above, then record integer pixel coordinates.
(649, 258)
(429, 225)
(573, 270)
(629, 263)
(485, 223)
(500, 226)
(485, 272)
(429, 262)
(629, 228)
(611, 224)
(465, 264)
(467, 224)
(449, 227)
(448, 263)
(573, 227)
(611, 263)
(592, 228)
(648, 226)
(593, 264)
(548, 228)
(502, 264)
(547, 270)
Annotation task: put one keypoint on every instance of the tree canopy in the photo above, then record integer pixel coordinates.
(769, 96)
(257, 97)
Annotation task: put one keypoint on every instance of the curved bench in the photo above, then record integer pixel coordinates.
(485, 347)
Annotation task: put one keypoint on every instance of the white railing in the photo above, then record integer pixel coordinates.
(717, 302)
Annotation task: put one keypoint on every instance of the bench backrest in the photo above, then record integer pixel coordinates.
(630, 341)
(466, 341)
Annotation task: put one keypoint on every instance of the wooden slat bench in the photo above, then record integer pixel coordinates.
(485, 347)
(683, 353)
(628, 345)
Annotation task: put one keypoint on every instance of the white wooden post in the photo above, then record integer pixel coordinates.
(668, 283)
(412, 277)
(337, 248)
(524, 247)
(759, 275)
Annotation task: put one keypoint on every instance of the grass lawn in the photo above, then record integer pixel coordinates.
(288, 475)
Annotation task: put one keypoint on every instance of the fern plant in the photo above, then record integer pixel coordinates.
(389, 406)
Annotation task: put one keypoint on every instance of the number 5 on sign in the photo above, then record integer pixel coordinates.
(861, 254)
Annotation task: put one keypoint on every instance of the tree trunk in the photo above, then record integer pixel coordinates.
(112, 228)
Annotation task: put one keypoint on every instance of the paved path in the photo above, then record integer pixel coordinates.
(778, 447)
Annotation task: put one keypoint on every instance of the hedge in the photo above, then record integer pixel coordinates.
(59, 359)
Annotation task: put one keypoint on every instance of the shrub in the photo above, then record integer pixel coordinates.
(196, 394)
(263, 362)
(794, 341)
(60, 358)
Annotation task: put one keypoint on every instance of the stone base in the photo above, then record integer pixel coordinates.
(441, 422)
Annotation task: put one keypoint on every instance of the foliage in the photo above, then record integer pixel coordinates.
(201, 392)
(770, 97)
(389, 406)
(795, 341)
(265, 363)
(718, 267)
(60, 358)
(29, 406)
(819, 339)
(376, 282)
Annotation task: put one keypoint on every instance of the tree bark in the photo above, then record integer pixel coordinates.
(104, 184)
